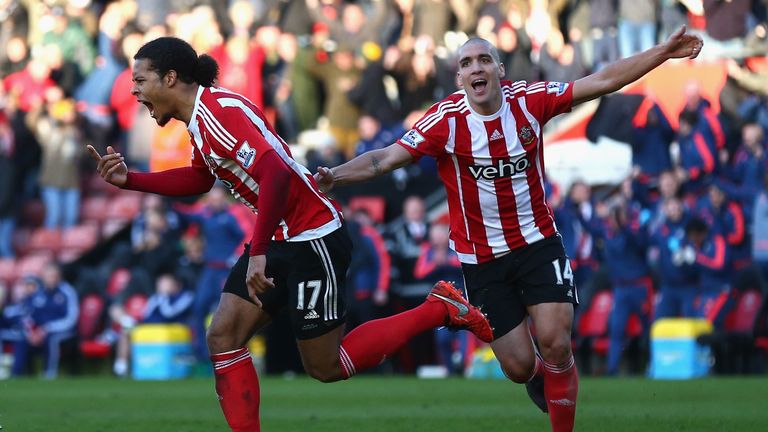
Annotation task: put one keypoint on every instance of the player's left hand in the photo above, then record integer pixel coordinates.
(681, 44)
(256, 280)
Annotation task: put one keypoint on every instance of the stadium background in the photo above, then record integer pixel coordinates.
(338, 78)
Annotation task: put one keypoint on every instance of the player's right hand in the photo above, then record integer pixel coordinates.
(111, 166)
(324, 179)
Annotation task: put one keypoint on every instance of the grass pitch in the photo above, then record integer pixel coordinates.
(373, 404)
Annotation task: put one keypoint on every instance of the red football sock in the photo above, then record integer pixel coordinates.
(369, 344)
(561, 387)
(238, 389)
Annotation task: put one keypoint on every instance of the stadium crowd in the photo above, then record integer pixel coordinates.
(683, 235)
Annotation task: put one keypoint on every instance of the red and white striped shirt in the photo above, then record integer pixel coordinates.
(492, 166)
(229, 135)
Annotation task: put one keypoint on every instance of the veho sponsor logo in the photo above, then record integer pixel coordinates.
(503, 168)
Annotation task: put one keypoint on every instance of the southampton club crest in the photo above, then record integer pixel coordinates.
(526, 135)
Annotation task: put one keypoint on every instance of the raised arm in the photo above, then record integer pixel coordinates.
(364, 167)
(625, 71)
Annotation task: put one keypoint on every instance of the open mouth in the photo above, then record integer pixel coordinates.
(479, 84)
(149, 106)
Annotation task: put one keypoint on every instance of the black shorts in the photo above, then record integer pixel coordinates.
(534, 274)
(309, 277)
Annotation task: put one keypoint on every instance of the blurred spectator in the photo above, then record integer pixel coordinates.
(625, 244)
(222, 236)
(373, 92)
(726, 218)
(281, 89)
(416, 73)
(190, 265)
(241, 65)
(369, 271)
(15, 313)
(726, 25)
(637, 26)
(652, 137)
(405, 239)
(15, 56)
(603, 23)
(760, 229)
(170, 303)
(515, 52)
(678, 282)
(749, 166)
(54, 127)
(560, 61)
(374, 135)
(52, 322)
(64, 73)
(7, 188)
(339, 76)
(74, 42)
(93, 95)
(708, 122)
(709, 254)
(352, 25)
(697, 157)
(438, 262)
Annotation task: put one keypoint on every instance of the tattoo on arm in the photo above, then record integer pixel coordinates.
(376, 166)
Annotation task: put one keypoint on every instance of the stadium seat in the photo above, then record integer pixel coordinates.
(118, 281)
(89, 326)
(374, 205)
(80, 237)
(96, 184)
(21, 241)
(7, 270)
(33, 213)
(33, 264)
(112, 227)
(124, 206)
(94, 209)
(734, 346)
(44, 239)
(135, 305)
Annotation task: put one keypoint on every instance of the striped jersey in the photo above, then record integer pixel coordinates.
(229, 135)
(492, 166)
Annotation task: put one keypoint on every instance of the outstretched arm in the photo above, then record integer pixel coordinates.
(173, 182)
(364, 167)
(625, 71)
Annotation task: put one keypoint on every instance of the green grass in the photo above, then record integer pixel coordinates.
(371, 404)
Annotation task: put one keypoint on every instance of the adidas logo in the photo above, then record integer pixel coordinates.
(311, 315)
(562, 402)
(570, 293)
(496, 135)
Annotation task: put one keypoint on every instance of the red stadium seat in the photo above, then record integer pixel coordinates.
(94, 209)
(20, 240)
(124, 207)
(90, 323)
(80, 237)
(89, 326)
(112, 227)
(7, 270)
(742, 318)
(135, 306)
(44, 239)
(594, 322)
(118, 281)
(374, 205)
(32, 264)
(33, 213)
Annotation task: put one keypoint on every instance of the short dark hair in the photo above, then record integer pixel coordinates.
(493, 50)
(696, 225)
(170, 53)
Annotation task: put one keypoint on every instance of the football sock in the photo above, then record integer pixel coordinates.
(561, 387)
(370, 343)
(238, 389)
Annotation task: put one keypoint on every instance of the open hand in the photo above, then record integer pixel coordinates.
(681, 44)
(255, 278)
(111, 166)
(324, 179)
